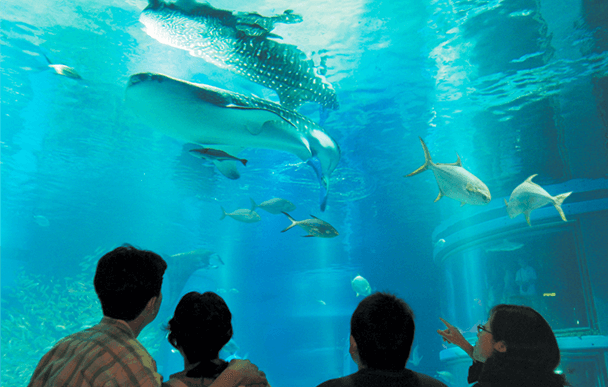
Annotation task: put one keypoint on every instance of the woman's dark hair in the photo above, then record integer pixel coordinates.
(532, 353)
(383, 328)
(126, 279)
(201, 326)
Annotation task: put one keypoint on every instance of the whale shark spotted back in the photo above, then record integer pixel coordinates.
(241, 43)
(220, 119)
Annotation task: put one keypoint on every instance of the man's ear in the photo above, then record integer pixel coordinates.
(353, 345)
(151, 302)
(500, 346)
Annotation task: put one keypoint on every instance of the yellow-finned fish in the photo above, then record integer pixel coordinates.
(529, 196)
(454, 181)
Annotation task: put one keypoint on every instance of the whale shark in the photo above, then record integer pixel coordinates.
(243, 44)
(228, 121)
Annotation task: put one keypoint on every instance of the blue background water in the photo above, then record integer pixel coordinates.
(516, 88)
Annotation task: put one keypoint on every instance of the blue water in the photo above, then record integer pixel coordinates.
(515, 88)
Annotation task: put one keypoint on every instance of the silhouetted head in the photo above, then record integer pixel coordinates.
(526, 334)
(383, 329)
(201, 326)
(531, 353)
(126, 279)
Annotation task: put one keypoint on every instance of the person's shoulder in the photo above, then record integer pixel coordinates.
(338, 382)
(181, 380)
(428, 381)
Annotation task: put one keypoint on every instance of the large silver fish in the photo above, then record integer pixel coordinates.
(240, 43)
(220, 119)
(454, 181)
(529, 196)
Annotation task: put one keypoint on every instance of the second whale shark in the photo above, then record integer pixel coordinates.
(241, 43)
(229, 121)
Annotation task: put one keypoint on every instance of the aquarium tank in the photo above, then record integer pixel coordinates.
(294, 157)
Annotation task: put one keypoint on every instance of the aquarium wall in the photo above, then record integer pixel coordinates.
(489, 260)
(96, 154)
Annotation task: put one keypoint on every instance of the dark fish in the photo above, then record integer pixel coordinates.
(215, 154)
(315, 227)
(239, 42)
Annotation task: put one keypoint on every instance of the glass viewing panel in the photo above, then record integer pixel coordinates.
(536, 268)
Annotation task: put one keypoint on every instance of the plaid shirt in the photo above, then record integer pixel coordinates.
(107, 354)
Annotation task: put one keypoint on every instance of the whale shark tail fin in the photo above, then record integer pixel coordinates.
(323, 180)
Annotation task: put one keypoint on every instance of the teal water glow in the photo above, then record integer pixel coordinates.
(515, 88)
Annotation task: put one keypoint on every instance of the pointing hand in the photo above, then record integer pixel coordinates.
(452, 335)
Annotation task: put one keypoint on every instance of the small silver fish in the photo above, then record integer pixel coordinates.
(41, 220)
(505, 245)
(529, 196)
(215, 155)
(242, 215)
(446, 376)
(415, 357)
(274, 206)
(454, 181)
(229, 349)
(63, 70)
(315, 227)
(361, 286)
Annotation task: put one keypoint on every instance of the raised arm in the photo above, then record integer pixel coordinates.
(453, 335)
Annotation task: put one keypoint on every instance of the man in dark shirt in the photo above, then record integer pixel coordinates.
(382, 332)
